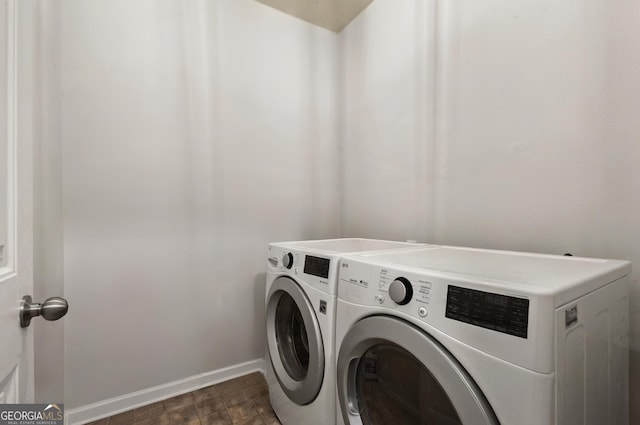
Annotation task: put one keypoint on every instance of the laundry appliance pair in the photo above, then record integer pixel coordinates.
(445, 335)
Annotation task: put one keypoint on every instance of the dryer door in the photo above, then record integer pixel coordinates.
(390, 371)
(294, 341)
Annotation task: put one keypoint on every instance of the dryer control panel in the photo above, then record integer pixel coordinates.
(421, 295)
(501, 313)
(403, 291)
(489, 316)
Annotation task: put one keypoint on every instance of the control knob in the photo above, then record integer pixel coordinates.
(287, 260)
(401, 291)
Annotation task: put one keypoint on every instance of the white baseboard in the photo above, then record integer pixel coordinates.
(113, 406)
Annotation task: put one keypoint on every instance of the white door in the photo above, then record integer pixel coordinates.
(16, 227)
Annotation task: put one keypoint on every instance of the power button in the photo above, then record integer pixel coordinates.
(422, 312)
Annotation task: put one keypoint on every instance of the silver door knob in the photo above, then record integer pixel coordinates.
(51, 309)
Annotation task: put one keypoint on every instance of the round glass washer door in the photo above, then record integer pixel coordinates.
(294, 341)
(390, 371)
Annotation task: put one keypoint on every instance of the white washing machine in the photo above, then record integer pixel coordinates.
(300, 319)
(466, 336)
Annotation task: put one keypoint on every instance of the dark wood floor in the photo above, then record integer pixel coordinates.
(241, 401)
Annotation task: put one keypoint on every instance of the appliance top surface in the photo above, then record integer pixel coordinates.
(536, 273)
(348, 245)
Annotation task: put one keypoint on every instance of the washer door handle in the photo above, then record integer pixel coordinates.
(51, 309)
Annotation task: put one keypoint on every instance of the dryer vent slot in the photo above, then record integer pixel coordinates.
(369, 365)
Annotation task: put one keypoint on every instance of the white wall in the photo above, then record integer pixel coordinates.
(534, 143)
(194, 133)
(526, 154)
(385, 87)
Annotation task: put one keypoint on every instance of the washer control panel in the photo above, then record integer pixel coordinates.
(312, 268)
(317, 266)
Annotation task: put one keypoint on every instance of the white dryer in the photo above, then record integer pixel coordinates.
(301, 290)
(467, 336)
